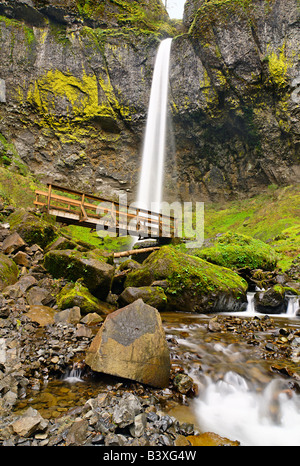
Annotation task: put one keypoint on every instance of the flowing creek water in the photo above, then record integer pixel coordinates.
(239, 396)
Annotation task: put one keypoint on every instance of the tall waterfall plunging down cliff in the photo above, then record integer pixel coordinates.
(151, 175)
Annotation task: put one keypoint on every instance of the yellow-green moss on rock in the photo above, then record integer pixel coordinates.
(92, 266)
(67, 103)
(152, 295)
(194, 285)
(32, 229)
(217, 12)
(8, 272)
(237, 251)
(76, 294)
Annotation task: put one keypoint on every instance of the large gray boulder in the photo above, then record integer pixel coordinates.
(272, 301)
(131, 344)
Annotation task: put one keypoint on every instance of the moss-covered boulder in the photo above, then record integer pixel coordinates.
(76, 294)
(152, 295)
(237, 251)
(33, 229)
(194, 285)
(129, 264)
(8, 272)
(94, 267)
(61, 243)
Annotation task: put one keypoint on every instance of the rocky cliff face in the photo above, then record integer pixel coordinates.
(235, 96)
(75, 80)
(75, 86)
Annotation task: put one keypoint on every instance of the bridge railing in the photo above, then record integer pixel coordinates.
(76, 207)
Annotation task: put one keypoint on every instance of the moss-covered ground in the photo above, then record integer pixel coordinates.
(263, 216)
(273, 217)
(238, 251)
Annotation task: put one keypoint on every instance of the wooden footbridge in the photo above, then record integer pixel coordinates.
(77, 208)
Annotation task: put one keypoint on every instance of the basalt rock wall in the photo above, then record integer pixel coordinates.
(235, 95)
(75, 81)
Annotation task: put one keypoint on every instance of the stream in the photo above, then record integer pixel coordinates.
(238, 395)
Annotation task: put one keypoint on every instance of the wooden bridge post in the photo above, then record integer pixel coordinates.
(160, 225)
(83, 215)
(137, 220)
(49, 196)
(175, 223)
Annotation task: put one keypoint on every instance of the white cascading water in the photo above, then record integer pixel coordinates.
(292, 307)
(238, 396)
(74, 374)
(233, 409)
(151, 176)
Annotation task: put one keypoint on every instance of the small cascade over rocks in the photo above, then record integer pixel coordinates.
(292, 306)
(74, 374)
(247, 385)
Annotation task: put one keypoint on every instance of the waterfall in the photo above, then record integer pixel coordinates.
(250, 307)
(151, 176)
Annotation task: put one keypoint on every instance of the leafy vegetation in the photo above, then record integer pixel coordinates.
(16, 189)
(263, 216)
(287, 246)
